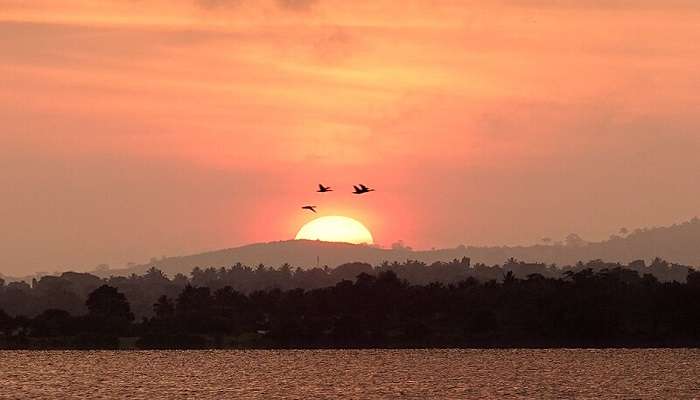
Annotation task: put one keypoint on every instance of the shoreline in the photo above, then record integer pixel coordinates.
(132, 344)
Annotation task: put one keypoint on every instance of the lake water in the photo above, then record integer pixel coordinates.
(352, 374)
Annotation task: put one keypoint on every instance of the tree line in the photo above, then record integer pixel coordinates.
(614, 306)
(69, 290)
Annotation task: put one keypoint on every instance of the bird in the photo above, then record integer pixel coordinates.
(362, 189)
(310, 208)
(324, 189)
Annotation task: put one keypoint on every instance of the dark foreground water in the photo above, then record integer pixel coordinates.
(351, 374)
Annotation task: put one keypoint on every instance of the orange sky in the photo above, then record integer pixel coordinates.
(131, 129)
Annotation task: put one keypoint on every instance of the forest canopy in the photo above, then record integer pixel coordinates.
(356, 305)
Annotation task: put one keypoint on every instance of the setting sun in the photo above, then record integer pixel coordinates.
(335, 229)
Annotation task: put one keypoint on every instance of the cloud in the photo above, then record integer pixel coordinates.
(296, 5)
(292, 5)
(217, 3)
(578, 118)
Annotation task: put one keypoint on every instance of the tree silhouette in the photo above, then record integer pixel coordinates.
(591, 304)
(6, 322)
(53, 322)
(107, 302)
(108, 311)
(164, 308)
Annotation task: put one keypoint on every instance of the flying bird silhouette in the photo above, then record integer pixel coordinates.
(324, 189)
(310, 208)
(362, 189)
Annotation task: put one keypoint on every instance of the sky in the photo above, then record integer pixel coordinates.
(132, 129)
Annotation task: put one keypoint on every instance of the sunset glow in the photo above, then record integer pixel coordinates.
(394, 199)
(335, 229)
(484, 123)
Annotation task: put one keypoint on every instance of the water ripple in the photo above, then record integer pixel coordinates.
(351, 374)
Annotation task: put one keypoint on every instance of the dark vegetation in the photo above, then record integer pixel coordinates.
(69, 291)
(357, 305)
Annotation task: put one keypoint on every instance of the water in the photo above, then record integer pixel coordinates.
(352, 374)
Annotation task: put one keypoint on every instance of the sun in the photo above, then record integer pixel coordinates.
(335, 229)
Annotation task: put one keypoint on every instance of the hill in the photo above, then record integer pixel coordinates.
(679, 243)
(297, 253)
